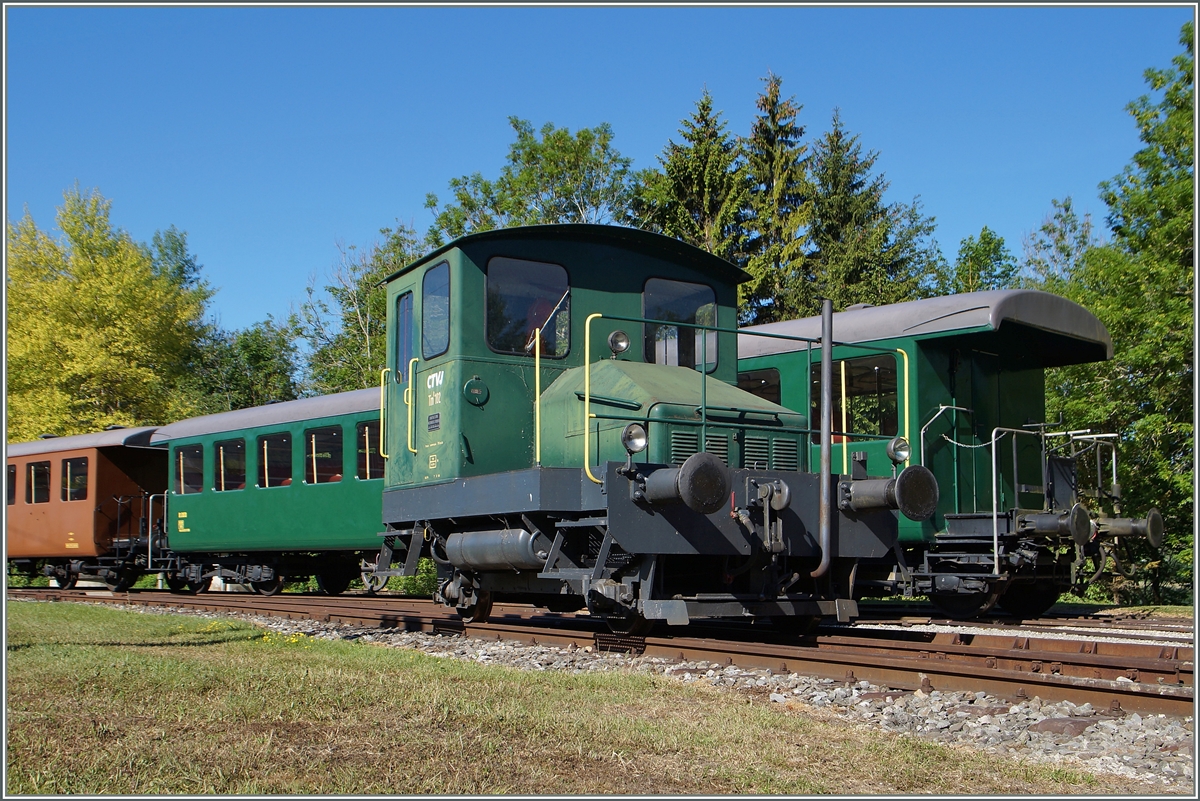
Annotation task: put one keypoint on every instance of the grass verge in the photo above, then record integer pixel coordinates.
(110, 701)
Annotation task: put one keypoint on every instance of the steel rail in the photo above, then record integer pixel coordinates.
(1117, 676)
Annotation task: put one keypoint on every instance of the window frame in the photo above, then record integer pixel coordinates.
(777, 383)
(310, 456)
(178, 473)
(363, 459)
(66, 494)
(404, 352)
(425, 317)
(712, 367)
(487, 337)
(814, 398)
(31, 484)
(219, 471)
(11, 489)
(262, 472)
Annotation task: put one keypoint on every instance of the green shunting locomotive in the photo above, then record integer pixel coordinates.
(1028, 509)
(562, 425)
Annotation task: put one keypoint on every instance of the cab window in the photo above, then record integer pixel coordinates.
(370, 462)
(870, 396)
(404, 335)
(37, 482)
(74, 479)
(274, 460)
(680, 302)
(763, 383)
(189, 469)
(435, 311)
(230, 458)
(323, 455)
(524, 297)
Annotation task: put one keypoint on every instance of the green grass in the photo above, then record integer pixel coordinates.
(110, 701)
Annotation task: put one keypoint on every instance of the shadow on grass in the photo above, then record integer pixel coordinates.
(13, 648)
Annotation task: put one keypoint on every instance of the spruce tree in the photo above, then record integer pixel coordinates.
(701, 191)
(862, 250)
(775, 164)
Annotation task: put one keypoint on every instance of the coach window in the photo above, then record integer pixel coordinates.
(11, 484)
(435, 311)
(230, 458)
(870, 396)
(37, 482)
(74, 479)
(681, 302)
(370, 463)
(527, 296)
(189, 469)
(274, 460)
(404, 335)
(323, 455)
(763, 383)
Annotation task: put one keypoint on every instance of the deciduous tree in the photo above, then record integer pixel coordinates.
(983, 263)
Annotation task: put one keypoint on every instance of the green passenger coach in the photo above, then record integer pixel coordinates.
(962, 378)
(563, 426)
(287, 489)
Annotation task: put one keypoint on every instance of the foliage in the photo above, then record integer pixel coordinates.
(99, 331)
(774, 223)
(560, 178)
(983, 263)
(702, 190)
(1053, 252)
(348, 343)
(240, 369)
(862, 250)
(1141, 287)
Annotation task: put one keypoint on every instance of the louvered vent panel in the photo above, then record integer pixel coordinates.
(683, 445)
(718, 446)
(756, 453)
(784, 455)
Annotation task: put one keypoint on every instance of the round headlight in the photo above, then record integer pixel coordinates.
(634, 438)
(898, 450)
(618, 342)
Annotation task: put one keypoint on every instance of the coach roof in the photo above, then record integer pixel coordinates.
(967, 311)
(359, 400)
(115, 438)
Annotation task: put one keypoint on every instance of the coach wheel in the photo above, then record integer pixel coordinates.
(964, 606)
(177, 583)
(478, 612)
(334, 583)
(270, 587)
(66, 581)
(1030, 600)
(120, 581)
(631, 625)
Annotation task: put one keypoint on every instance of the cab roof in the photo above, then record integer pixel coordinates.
(970, 311)
(632, 239)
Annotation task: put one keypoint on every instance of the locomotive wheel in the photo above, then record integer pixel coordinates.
(334, 583)
(478, 612)
(633, 625)
(1030, 600)
(177, 583)
(964, 606)
(270, 587)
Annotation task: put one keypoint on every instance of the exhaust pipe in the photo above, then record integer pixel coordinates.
(825, 509)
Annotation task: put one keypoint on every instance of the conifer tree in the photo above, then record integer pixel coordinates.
(700, 194)
(779, 189)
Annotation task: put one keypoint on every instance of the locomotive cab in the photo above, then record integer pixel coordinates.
(563, 426)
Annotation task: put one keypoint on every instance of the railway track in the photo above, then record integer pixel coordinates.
(1134, 676)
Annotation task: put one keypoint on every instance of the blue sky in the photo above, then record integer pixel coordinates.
(272, 134)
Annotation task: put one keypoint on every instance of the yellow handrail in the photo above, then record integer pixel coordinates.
(383, 374)
(537, 397)
(587, 394)
(845, 425)
(409, 400)
(907, 432)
